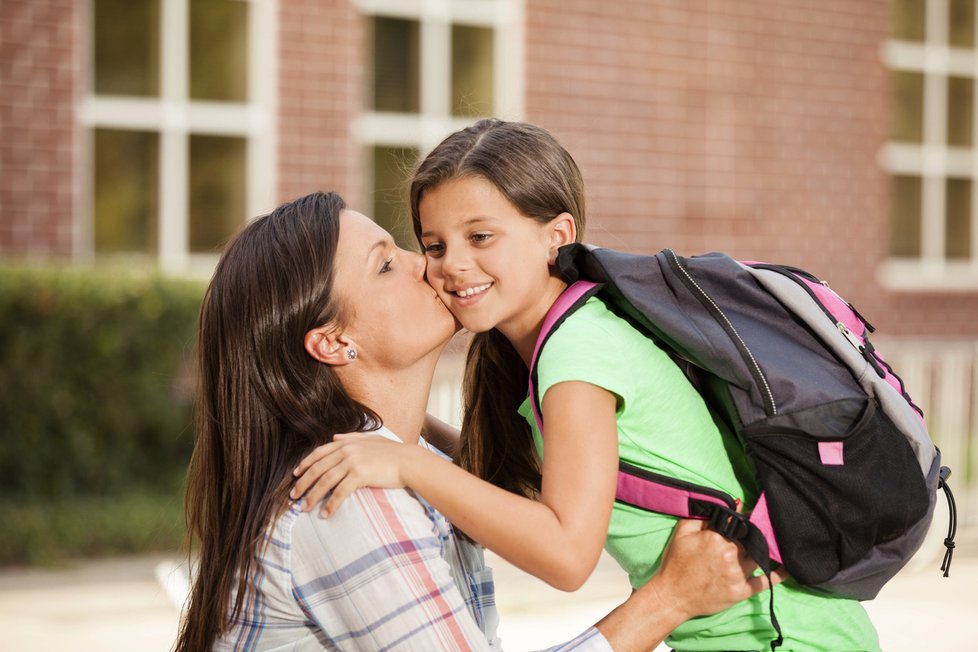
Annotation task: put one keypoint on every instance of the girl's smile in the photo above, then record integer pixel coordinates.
(473, 291)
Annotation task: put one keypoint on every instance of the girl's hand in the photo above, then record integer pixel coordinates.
(346, 464)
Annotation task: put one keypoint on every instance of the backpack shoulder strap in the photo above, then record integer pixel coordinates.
(637, 487)
(571, 299)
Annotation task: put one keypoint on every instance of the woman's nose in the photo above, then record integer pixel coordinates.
(418, 264)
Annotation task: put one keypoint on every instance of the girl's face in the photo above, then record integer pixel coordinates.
(394, 316)
(488, 262)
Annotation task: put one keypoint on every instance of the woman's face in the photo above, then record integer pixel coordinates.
(393, 316)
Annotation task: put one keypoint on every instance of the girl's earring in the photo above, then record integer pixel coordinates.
(351, 353)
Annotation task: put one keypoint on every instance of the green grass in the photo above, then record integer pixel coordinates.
(49, 533)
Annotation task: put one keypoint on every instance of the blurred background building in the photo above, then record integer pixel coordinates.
(834, 135)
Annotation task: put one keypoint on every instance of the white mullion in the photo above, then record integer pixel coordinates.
(260, 149)
(436, 76)
(509, 73)
(933, 222)
(174, 146)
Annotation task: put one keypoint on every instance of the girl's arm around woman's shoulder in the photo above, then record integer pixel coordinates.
(557, 538)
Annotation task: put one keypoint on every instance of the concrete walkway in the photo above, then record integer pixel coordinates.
(121, 605)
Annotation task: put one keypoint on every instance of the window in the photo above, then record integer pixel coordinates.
(435, 66)
(181, 135)
(932, 155)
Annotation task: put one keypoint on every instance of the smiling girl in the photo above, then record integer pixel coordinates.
(492, 204)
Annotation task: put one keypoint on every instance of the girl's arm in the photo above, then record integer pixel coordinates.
(557, 538)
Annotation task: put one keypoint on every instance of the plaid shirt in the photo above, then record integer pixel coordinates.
(385, 572)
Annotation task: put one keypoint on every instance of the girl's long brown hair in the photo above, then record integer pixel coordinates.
(540, 178)
(262, 401)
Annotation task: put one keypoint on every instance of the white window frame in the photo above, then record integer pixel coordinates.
(175, 117)
(434, 120)
(933, 160)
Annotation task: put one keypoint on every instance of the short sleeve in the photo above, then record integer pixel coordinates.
(591, 346)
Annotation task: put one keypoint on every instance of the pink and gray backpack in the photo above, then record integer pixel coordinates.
(847, 470)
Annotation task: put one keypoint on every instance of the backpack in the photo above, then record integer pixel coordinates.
(847, 471)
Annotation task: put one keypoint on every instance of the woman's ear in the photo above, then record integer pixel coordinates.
(329, 345)
(563, 231)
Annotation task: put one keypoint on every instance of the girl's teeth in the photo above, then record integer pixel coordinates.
(475, 290)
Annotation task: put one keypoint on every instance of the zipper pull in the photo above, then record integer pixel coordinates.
(849, 335)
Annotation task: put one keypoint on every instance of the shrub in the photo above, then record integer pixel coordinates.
(96, 383)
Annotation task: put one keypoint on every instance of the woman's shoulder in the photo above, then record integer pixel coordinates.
(369, 519)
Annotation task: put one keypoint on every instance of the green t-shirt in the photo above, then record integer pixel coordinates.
(664, 426)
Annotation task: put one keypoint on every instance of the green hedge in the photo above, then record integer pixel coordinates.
(96, 386)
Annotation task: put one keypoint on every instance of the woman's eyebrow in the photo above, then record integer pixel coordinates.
(377, 245)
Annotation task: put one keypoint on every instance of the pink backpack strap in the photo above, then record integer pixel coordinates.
(564, 303)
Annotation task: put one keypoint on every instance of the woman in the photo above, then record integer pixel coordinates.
(315, 323)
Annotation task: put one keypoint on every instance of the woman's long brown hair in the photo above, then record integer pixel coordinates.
(262, 402)
(540, 178)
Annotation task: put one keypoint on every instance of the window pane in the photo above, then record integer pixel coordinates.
(472, 70)
(907, 19)
(908, 106)
(961, 32)
(392, 170)
(960, 110)
(126, 191)
(957, 234)
(219, 50)
(127, 47)
(906, 207)
(396, 75)
(217, 190)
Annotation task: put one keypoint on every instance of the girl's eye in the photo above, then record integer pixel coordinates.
(480, 237)
(386, 267)
(434, 249)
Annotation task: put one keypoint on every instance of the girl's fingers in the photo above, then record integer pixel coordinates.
(322, 451)
(323, 486)
(343, 489)
(317, 454)
(312, 473)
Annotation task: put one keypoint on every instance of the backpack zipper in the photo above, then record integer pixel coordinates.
(745, 351)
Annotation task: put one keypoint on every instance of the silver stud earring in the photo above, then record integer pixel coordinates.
(351, 353)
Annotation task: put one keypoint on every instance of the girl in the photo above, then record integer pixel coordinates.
(491, 206)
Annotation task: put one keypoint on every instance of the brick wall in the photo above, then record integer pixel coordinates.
(40, 68)
(748, 127)
(321, 90)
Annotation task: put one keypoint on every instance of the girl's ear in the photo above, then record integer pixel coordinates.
(329, 345)
(563, 231)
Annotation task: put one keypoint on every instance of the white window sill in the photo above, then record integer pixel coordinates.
(914, 275)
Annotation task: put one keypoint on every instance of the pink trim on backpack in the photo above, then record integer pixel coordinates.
(836, 305)
(563, 303)
(657, 497)
(830, 452)
(844, 314)
(762, 519)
